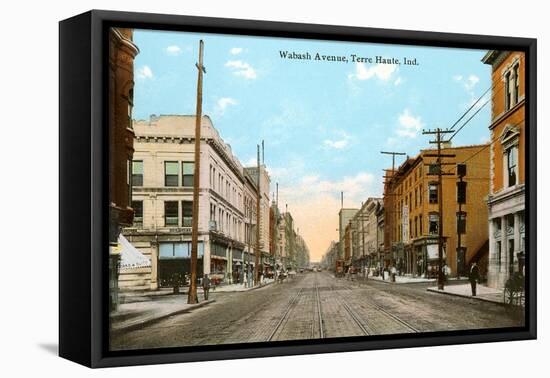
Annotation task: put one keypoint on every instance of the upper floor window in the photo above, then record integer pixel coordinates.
(432, 193)
(171, 173)
(516, 83)
(188, 171)
(508, 90)
(187, 213)
(138, 212)
(433, 223)
(137, 173)
(130, 107)
(511, 87)
(512, 165)
(171, 213)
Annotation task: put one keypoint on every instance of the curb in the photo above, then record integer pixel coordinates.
(153, 319)
(242, 291)
(465, 296)
(400, 283)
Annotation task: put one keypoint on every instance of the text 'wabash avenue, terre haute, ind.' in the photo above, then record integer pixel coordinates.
(351, 58)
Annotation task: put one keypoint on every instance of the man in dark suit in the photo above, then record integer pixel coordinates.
(206, 286)
(474, 278)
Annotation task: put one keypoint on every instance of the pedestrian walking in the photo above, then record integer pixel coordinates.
(206, 286)
(249, 276)
(446, 272)
(393, 272)
(474, 278)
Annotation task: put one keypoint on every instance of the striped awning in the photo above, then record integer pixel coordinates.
(130, 256)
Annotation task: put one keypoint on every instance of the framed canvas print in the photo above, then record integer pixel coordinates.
(234, 188)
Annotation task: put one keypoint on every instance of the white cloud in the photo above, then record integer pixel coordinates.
(342, 141)
(382, 72)
(251, 162)
(223, 103)
(173, 50)
(337, 144)
(409, 125)
(236, 50)
(398, 81)
(242, 69)
(311, 186)
(144, 72)
(469, 83)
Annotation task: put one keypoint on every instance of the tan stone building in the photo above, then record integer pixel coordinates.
(163, 169)
(411, 200)
(507, 153)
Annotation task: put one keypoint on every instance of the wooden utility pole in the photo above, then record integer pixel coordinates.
(439, 164)
(386, 210)
(258, 217)
(393, 154)
(192, 294)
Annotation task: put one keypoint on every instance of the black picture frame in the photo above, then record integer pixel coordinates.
(83, 181)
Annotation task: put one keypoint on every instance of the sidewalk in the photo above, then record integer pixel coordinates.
(401, 279)
(484, 293)
(231, 288)
(130, 316)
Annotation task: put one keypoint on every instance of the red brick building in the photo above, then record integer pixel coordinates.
(506, 200)
(122, 52)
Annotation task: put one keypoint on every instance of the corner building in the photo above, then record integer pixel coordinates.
(506, 200)
(412, 219)
(162, 178)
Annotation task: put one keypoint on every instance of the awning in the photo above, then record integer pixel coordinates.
(130, 257)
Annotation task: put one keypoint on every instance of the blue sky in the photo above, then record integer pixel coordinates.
(323, 123)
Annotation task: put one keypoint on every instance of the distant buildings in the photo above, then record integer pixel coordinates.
(364, 226)
(344, 230)
(506, 200)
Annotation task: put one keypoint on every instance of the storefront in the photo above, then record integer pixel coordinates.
(174, 264)
(432, 253)
(218, 262)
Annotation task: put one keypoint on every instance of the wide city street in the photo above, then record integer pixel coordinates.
(317, 305)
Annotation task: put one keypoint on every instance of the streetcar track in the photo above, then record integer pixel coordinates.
(284, 317)
(319, 311)
(396, 318)
(356, 318)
